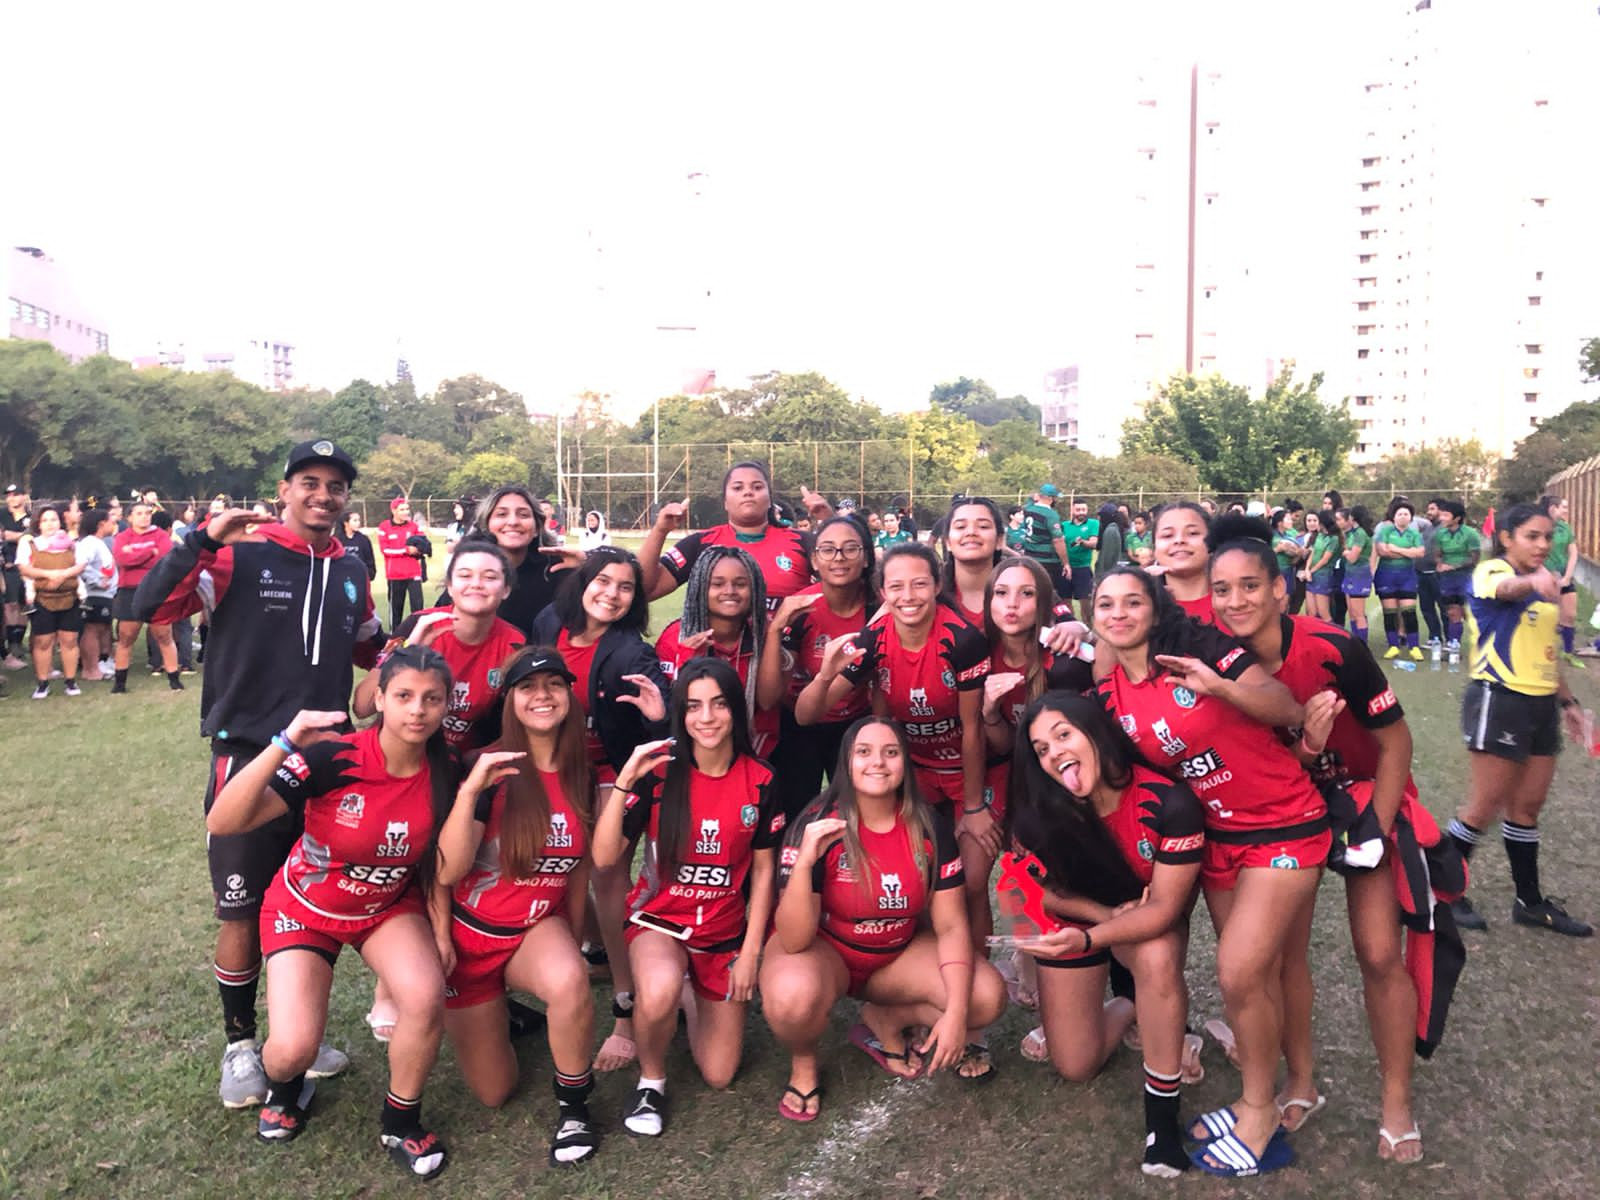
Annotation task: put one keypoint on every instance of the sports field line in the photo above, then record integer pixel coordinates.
(846, 1143)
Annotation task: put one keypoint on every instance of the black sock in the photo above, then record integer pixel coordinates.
(285, 1091)
(1466, 837)
(238, 989)
(14, 638)
(174, 682)
(1408, 620)
(122, 677)
(1164, 1141)
(1522, 849)
(1121, 980)
(572, 1091)
(401, 1117)
(1391, 626)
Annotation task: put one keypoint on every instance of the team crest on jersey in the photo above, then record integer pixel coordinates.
(784, 562)
(1146, 850)
(1129, 724)
(1285, 862)
(350, 590)
(1183, 697)
(947, 678)
(396, 840)
(893, 893)
(919, 703)
(710, 841)
(1170, 742)
(748, 815)
(494, 677)
(351, 807)
(460, 696)
(560, 833)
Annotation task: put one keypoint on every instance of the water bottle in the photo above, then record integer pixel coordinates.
(1455, 660)
(1438, 655)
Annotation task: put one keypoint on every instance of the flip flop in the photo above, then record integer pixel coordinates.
(1218, 1122)
(1238, 1159)
(382, 1025)
(864, 1040)
(1394, 1143)
(1192, 1070)
(801, 1116)
(976, 1052)
(624, 1046)
(1035, 1046)
(1222, 1034)
(1312, 1107)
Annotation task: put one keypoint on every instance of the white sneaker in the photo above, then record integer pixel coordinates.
(329, 1063)
(244, 1081)
(12, 663)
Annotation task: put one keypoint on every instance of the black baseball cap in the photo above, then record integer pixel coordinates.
(320, 450)
(541, 662)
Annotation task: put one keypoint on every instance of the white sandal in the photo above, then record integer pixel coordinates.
(1394, 1143)
(1034, 1046)
(382, 1025)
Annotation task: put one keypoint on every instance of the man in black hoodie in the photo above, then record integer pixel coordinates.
(289, 613)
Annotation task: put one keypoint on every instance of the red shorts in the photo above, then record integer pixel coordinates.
(861, 965)
(941, 787)
(710, 970)
(1294, 851)
(480, 971)
(996, 779)
(287, 924)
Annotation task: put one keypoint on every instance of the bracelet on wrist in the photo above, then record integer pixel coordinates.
(1088, 942)
(972, 812)
(282, 742)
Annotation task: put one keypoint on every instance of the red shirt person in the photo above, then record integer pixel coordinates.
(402, 561)
(136, 550)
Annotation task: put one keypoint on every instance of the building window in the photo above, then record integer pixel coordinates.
(1368, 209)
(1365, 258)
(1538, 276)
(1530, 397)
(1364, 401)
(41, 318)
(1363, 330)
(1530, 372)
(16, 307)
(1534, 348)
(1365, 305)
(1535, 301)
(1539, 201)
(1363, 352)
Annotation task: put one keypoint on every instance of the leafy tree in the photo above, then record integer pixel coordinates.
(471, 400)
(484, 472)
(686, 420)
(32, 427)
(977, 401)
(408, 465)
(1589, 360)
(1237, 443)
(352, 418)
(1451, 467)
(810, 408)
(1570, 436)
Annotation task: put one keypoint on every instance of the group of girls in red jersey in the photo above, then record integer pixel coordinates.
(951, 711)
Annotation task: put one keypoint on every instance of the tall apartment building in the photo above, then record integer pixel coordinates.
(266, 362)
(1472, 258)
(42, 304)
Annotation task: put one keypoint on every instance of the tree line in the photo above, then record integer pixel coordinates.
(101, 426)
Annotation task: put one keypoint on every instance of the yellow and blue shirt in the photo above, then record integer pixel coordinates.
(1515, 642)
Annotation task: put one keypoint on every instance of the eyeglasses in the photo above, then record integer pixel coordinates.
(829, 551)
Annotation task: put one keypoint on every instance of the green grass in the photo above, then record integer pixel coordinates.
(109, 1033)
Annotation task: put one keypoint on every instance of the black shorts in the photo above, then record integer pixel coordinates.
(243, 864)
(97, 610)
(1082, 582)
(46, 621)
(122, 604)
(1060, 582)
(1569, 589)
(1510, 725)
(1403, 597)
(12, 592)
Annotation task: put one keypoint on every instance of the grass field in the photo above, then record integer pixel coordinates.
(109, 1030)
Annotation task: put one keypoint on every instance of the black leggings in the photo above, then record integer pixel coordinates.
(401, 590)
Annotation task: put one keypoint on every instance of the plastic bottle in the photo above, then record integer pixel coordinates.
(1437, 655)
(1455, 660)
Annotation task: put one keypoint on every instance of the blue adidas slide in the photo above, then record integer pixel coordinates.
(1216, 1123)
(1237, 1159)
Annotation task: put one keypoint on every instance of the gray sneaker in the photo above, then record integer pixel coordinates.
(329, 1063)
(244, 1082)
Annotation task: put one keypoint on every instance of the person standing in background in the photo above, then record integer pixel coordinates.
(1562, 563)
(359, 543)
(402, 562)
(48, 560)
(136, 549)
(1041, 539)
(594, 533)
(1113, 528)
(13, 528)
(99, 581)
(1082, 537)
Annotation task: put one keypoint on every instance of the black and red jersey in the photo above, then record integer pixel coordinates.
(923, 686)
(475, 675)
(1317, 657)
(487, 900)
(580, 661)
(673, 654)
(876, 905)
(1201, 610)
(784, 555)
(730, 818)
(365, 830)
(804, 641)
(1246, 777)
(1157, 820)
(1060, 674)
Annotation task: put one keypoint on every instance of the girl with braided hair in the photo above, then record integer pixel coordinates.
(725, 616)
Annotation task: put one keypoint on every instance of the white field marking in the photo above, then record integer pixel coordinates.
(847, 1143)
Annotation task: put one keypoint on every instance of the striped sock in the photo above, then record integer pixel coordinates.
(1163, 1139)
(238, 991)
(1464, 836)
(1157, 1084)
(573, 1089)
(1522, 850)
(402, 1117)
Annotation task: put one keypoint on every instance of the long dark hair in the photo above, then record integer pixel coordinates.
(1173, 631)
(1062, 830)
(947, 574)
(839, 799)
(1513, 519)
(444, 771)
(480, 519)
(568, 600)
(525, 819)
(697, 609)
(1248, 535)
(676, 824)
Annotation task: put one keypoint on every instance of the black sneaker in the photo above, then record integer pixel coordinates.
(421, 1153)
(576, 1138)
(1466, 916)
(1548, 914)
(286, 1121)
(174, 683)
(72, 688)
(647, 1115)
(119, 688)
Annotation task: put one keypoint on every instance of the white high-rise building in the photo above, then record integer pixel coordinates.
(1474, 249)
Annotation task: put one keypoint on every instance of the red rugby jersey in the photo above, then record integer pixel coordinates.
(923, 686)
(730, 818)
(805, 640)
(475, 670)
(365, 830)
(1201, 610)
(487, 900)
(783, 554)
(580, 661)
(1157, 820)
(1246, 777)
(1318, 656)
(881, 912)
(671, 652)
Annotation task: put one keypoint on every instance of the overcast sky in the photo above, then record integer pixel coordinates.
(893, 194)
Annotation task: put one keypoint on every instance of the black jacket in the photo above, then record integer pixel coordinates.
(287, 624)
(620, 727)
(360, 544)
